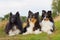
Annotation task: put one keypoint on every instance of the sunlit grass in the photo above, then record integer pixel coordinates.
(42, 36)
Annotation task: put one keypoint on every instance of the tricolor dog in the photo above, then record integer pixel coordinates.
(47, 23)
(33, 26)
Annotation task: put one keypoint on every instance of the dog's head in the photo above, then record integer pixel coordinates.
(33, 17)
(13, 18)
(46, 15)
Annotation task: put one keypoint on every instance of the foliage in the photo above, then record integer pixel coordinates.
(56, 7)
(23, 18)
(54, 14)
(6, 16)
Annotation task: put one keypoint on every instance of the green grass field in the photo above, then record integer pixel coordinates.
(42, 36)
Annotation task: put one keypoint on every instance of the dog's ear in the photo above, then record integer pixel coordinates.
(30, 12)
(43, 12)
(17, 13)
(37, 13)
(49, 12)
(11, 14)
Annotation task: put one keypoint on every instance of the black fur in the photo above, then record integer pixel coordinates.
(14, 20)
(43, 13)
(36, 16)
(51, 19)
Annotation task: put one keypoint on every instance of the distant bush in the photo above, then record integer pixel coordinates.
(54, 14)
(56, 7)
(24, 18)
(6, 17)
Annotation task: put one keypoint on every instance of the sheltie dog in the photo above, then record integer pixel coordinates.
(47, 23)
(14, 26)
(33, 26)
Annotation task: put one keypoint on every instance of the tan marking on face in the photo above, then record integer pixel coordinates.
(33, 20)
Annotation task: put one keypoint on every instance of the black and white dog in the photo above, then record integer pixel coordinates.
(32, 24)
(47, 23)
(14, 26)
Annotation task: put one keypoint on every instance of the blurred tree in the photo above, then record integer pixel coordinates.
(56, 7)
(23, 18)
(6, 16)
(1, 18)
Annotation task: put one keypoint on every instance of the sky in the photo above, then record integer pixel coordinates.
(23, 6)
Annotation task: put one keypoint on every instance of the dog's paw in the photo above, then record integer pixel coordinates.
(37, 32)
(49, 32)
(25, 33)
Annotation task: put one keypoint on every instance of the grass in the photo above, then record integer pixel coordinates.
(42, 36)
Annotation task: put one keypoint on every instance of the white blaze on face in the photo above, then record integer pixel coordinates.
(45, 17)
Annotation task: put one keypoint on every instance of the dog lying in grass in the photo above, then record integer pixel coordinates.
(47, 22)
(14, 26)
(32, 24)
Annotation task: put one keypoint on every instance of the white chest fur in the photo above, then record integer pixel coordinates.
(14, 31)
(29, 29)
(46, 26)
